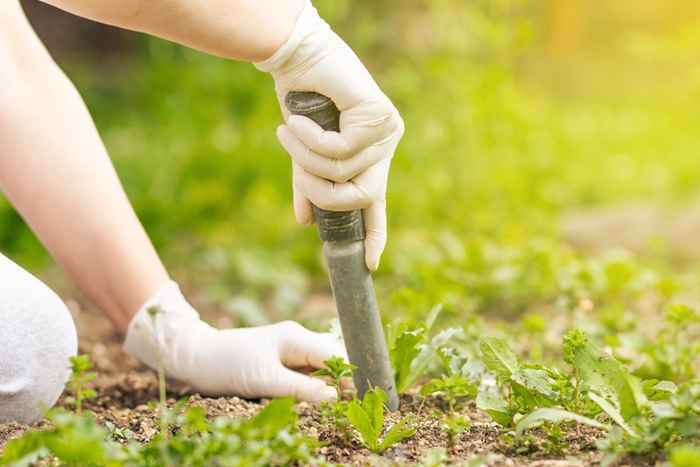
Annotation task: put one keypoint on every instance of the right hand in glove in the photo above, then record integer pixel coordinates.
(336, 171)
(248, 362)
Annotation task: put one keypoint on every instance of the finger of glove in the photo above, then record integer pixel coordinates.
(361, 127)
(302, 387)
(300, 347)
(303, 211)
(336, 170)
(358, 193)
(375, 233)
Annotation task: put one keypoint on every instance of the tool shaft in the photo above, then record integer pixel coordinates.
(351, 282)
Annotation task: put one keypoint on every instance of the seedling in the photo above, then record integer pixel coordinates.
(337, 369)
(336, 413)
(80, 376)
(367, 416)
(452, 388)
(453, 426)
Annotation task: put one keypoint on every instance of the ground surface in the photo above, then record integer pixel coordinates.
(124, 388)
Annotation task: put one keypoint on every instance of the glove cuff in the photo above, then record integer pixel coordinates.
(154, 335)
(308, 23)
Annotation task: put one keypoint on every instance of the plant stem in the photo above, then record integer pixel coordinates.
(79, 399)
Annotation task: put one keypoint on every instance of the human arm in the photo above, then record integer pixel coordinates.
(56, 172)
(249, 30)
(338, 172)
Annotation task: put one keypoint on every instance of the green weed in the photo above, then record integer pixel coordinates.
(367, 417)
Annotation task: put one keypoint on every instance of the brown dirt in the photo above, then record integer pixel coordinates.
(640, 227)
(124, 389)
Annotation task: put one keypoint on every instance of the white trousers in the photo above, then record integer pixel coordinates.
(37, 337)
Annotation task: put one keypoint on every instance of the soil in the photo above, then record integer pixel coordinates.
(642, 227)
(125, 387)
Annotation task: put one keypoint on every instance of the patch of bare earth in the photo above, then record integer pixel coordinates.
(641, 227)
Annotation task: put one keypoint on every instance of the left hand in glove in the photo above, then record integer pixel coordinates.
(248, 362)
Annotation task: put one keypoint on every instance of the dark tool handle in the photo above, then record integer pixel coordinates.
(353, 289)
(333, 226)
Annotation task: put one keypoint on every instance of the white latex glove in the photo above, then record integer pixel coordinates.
(336, 171)
(247, 362)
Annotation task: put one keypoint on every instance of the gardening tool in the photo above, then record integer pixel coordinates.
(343, 236)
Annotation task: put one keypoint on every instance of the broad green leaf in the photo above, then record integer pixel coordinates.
(499, 358)
(276, 415)
(361, 421)
(612, 412)
(397, 433)
(537, 381)
(540, 416)
(602, 373)
(367, 416)
(493, 404)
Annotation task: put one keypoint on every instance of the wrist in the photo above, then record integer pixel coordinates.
(163, 330)
(306, 25)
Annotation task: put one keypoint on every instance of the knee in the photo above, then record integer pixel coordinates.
(40, 337)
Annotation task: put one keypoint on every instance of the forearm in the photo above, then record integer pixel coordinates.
(250, 30)
(55, 171)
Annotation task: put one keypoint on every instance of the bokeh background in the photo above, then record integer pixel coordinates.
(550, 160)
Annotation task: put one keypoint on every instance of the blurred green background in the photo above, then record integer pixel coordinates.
(518, 114)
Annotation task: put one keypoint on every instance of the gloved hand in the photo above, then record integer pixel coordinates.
(247, 362)
(336, 171)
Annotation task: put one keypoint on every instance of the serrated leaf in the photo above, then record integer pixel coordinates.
(499, 358)
(373, 403)
(540, 416)
(396, 434)
(404, 352)
(426, 354)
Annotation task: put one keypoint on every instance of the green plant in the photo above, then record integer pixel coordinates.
(336, 413)
(675, 350)
(453, 426)
(80, 376)
(403, 352)
(367, 417)
(74, 439)
(337, 369)
(663, 424)
(413, 352)
(521, 388)
(452, 388)
(269, 438)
